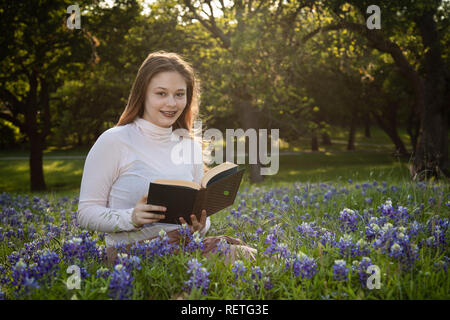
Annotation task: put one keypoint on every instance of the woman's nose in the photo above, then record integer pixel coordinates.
(171, 101)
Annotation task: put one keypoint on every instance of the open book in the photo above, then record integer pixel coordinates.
(216, 191)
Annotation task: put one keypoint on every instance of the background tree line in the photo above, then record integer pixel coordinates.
(299, 66)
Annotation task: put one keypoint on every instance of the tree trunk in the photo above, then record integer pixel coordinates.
(351, 135)
(391, 128)
(367, 125)
(248, 117)
(413, 127)
(326, 140)
(431, 157)
(79, 139)
(36, 164)
(314, 143)
(36, 138)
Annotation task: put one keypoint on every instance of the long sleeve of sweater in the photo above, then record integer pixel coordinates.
(101, 169)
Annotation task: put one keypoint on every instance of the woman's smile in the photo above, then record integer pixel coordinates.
(169, 114)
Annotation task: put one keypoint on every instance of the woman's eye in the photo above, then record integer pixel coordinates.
(180, 94)
(161, 93)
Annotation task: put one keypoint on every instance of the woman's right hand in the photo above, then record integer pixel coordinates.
(141, 216)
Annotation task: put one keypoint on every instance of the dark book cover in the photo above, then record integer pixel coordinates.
(182, 201)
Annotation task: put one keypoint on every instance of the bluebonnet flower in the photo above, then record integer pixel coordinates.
(373, 229)
(272, 239)
(47, 263)
(22, 277)
(442, 264)
(387, 210)
(196, 243)
(102, 272)
(396, 251)
(238, 270)
(348, 219)
(120, 284)
(14, 257)
(267, 284)
(256, 273)
(199, 277)
(302, 265)
(306, 229)
(437, 238)
(222, 247)
(259, 231)
(3, 275)
(327, 237)
(345, 245)
(414, 228)
(157, 247)
(361, 267)
(129, 262)
(80, 249)
(283, 250)
(256, 276)
(340, 271)
(361, 248)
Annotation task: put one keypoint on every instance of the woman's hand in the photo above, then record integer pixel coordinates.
(141, 216)
(196, 225)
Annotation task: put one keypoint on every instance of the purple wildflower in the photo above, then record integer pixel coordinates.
(222, 247)
(361, 267)
(196, 243)
(238, 270)
(302, 265)
(129, 262)
(120, 284)
(199, 277)
(361, 248)
(102, 272)
(340, 271)
(348, 219)
(345, 245)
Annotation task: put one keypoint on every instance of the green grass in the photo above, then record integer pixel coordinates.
(164, 278)
(64, 176)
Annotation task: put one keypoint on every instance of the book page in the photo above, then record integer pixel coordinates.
(216, 170)
(183, 183)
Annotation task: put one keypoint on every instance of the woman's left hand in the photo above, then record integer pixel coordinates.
(196, 225)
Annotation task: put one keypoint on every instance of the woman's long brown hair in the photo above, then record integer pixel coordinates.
(156, 62)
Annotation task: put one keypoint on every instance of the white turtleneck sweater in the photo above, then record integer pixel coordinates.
(117, 173)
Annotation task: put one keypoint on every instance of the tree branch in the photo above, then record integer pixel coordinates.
(13, 120)
(10, 99)
(211, 26)
(379, 42)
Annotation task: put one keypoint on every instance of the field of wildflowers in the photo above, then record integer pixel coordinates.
(314, 241)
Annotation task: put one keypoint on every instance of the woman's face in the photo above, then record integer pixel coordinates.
(165, 98)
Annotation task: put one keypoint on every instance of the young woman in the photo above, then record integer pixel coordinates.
(126, 158)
